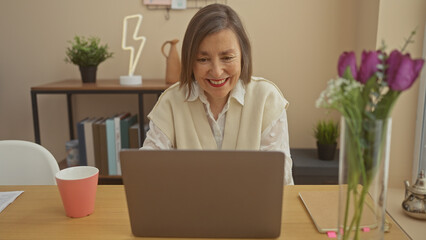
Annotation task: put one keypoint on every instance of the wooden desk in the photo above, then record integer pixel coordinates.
(38, 214)
(70, 87)
(415, 228)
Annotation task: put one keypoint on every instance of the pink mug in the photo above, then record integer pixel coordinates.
(77, 186)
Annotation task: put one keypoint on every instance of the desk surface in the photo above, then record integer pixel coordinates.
(101, 85)
(415, 228)
(38, 214)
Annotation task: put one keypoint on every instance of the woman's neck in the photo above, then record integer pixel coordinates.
(216, 105)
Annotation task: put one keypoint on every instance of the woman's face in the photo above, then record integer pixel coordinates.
(217, 66)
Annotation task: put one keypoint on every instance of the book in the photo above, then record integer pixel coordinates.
(81, 142)
(125, 125)
(113, 137)
(117, 128)
(96, 142)
(103, 150)
(88, 137)
(110, 142)
(322, 206)
(134, 136)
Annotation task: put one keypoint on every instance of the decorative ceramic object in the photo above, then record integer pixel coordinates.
(131, 79)
(173, 62)
(415, 198)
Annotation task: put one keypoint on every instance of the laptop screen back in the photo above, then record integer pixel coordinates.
(211, 194)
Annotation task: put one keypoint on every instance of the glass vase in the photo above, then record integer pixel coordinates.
(363, 178)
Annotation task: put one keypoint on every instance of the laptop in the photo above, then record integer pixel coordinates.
(203, 194)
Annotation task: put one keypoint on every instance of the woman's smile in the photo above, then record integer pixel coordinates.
(218, 82)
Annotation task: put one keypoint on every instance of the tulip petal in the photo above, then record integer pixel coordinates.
(369, 62)
(418, 64)
(393, 63)
(402, 70)
(347, 59)
(404, 77)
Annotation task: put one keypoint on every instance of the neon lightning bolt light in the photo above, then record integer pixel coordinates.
(130, 79)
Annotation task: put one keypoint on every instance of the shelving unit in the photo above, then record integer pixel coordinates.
(71, 87)
(74, 86)
(309, 170)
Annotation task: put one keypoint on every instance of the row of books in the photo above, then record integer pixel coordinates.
(101, 139)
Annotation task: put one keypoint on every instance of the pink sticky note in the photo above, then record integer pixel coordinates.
(331, 234)
(366, 229)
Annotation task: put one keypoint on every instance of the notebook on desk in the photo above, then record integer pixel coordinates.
(322, 206)
(206, 194)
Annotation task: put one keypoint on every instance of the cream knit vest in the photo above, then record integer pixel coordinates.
(185, 122)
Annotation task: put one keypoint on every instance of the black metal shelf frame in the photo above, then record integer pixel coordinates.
(69, 94)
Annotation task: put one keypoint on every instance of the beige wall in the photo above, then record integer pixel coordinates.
(396, 21)
(366, 25)
(295, 44)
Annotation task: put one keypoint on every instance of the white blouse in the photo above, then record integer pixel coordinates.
(274, 137)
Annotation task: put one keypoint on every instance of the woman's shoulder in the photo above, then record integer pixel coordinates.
(260, 86)
(170, 97)
(173, 92)
(263, 85)
(260, 80)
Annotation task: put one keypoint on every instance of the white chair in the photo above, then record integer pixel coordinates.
(26, 163)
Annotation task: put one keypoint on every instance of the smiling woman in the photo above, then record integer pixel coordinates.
(218, 67)
(217, 104)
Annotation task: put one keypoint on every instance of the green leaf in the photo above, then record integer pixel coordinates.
(385, 106)
(87, 52)
(326, 132)
(348, 74)
(369, 87)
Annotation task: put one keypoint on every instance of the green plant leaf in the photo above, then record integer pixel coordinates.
(326, 132)
(87, 52)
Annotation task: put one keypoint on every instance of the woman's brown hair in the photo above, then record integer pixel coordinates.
(211, 19)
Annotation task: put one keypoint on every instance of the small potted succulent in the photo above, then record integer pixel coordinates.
(326, 134)
(87, 54)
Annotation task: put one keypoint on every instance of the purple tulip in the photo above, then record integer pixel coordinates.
(347, 59)
(402, 70)
(369, 62)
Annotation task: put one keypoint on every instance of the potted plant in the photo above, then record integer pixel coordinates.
(87, 54)
(326, 134)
